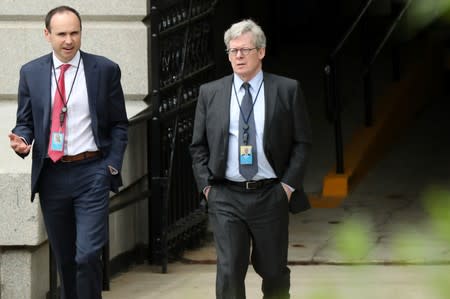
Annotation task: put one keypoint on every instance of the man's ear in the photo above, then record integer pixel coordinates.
(47, 34)
(261, 53)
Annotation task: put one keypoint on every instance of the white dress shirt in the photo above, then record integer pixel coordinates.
(265, 171)
(79, 137)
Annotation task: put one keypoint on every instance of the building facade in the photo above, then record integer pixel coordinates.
(114, 29)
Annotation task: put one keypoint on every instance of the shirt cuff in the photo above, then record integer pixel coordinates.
(112, 170)
(290, 188)
(24, 140)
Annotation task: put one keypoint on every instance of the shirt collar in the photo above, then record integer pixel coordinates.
(74, 62)
(254, 82)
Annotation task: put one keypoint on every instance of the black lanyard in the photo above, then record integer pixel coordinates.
(65, 101)
(246, 118)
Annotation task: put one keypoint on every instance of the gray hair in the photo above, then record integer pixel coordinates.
(242, 27)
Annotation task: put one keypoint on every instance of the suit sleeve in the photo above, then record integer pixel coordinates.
(199, 148)
(118, 122)
(301, 143)
(24, 119)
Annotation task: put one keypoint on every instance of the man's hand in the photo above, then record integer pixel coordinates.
(287, 190)
(18, 144)
(206, 192)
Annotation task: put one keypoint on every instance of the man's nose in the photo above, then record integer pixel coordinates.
(68, 39)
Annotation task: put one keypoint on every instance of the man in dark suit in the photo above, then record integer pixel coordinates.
(249, 161)
(71, 112)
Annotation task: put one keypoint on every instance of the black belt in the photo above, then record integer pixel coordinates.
(252, 185)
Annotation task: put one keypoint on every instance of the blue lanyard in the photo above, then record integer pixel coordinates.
(246, 118)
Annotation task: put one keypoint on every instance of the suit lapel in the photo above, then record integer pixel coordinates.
(43, 82)
(270, 99)
(91, 72)
(224, 97)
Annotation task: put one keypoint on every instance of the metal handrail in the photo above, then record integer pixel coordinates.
(367, 72)
(144, 115)
(332, 100)
(388, 34)
(350, 30)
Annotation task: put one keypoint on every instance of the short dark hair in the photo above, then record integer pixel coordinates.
(60, 9)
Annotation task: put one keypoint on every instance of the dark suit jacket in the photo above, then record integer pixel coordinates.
(106, 105)
(287, 133)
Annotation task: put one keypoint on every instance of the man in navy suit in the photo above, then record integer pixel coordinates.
(249, 161)
(74, 185)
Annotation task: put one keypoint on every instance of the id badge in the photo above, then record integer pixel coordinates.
(245, 155)
(57, 141)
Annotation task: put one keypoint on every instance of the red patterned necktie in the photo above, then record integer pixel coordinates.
(58, 128)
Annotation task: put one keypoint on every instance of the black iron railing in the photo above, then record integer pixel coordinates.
(332, 92)
(181, 56)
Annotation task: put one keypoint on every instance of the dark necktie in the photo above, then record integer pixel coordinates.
(57, 125)
(247, 134)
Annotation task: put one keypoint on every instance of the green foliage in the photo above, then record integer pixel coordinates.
(324, 294)
(422, 13)
(441, 286)
(408, 246)
(353, 239)
(437, 204)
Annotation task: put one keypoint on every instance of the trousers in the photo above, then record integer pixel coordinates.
(74, 199)
(250, 225)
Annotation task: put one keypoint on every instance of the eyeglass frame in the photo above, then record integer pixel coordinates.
(244, 51)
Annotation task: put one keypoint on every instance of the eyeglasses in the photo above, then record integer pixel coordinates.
(244, 51)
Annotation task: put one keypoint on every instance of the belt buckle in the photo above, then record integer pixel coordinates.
(250, 185)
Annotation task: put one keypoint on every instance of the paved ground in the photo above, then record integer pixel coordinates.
(308, 282)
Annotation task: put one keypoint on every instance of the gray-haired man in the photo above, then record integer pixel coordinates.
(250, 147)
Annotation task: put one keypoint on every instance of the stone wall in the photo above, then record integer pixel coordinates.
(114, 29)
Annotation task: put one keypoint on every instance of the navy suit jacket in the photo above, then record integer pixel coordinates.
(106, 105)
(287, 133)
